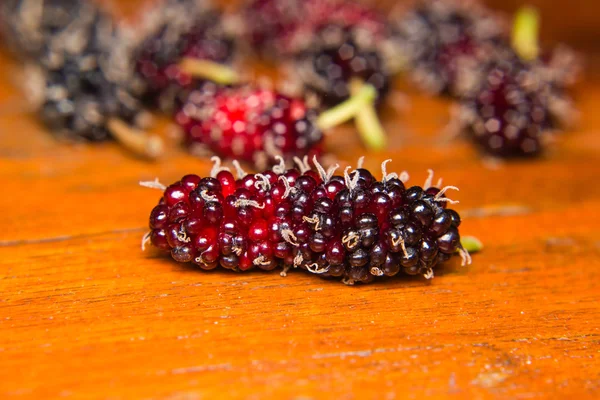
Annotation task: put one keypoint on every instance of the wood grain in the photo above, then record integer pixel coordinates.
(85, 314)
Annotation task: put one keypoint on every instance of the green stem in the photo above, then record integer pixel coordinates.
(471, 244)
(525, 33)
(367, 123)
(347, 110)
(210, 70)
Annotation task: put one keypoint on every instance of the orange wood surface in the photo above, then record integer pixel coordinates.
(84, 313)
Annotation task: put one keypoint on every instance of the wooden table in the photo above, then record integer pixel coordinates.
(85, 313)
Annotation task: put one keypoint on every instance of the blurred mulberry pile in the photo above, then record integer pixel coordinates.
(74, 81)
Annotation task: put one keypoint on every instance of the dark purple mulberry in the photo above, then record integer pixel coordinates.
(510, 106)
(78, 89)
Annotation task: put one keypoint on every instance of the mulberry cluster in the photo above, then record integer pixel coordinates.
(351, 227)
(328, 43)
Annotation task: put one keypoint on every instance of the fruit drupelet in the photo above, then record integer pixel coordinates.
(348, 226)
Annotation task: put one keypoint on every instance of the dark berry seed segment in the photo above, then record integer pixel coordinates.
(330, 225)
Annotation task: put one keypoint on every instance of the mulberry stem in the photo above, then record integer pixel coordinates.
(525, 33)
(367, 122)
(471, 244)
(347, 110)
(210, 70)
(138, 142)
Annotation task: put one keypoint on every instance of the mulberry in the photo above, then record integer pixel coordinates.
(351, 227)
(511, 109)
(76, 87)
(258, 125)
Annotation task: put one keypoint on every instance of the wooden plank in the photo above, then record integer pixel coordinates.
(85, 313)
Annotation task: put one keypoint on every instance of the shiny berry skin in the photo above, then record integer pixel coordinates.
(378, 254)
(449, 241)
(159, 217)
(158, 239)
(358, 258)
(182, 254)
(174, 194)
(258, 231)
(454, 217)
(410, 259)
(423, 212)
(428, 249)
(323, 227)
(413, 194)
(335, 252)
(441, 222)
